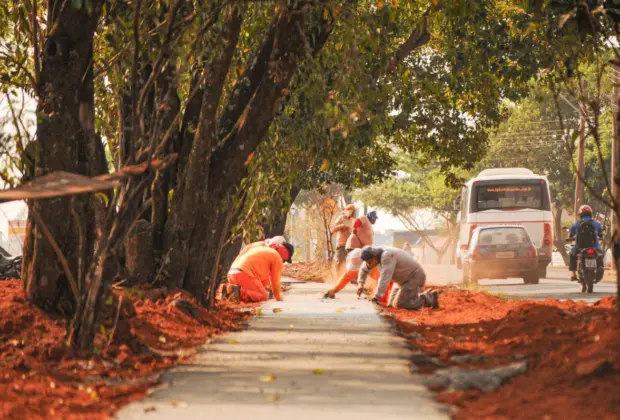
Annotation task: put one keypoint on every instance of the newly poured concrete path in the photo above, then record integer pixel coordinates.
(311, 359)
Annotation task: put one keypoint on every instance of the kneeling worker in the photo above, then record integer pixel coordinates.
(406, 273)
(257, 269)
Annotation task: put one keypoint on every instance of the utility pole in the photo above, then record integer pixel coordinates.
(579, 187)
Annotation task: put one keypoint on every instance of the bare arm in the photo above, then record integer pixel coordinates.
(275, 275)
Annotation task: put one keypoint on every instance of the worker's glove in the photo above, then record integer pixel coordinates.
(329, 295)
(375, 300)
(360, 290)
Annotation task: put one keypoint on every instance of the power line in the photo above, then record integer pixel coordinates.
(531, 131)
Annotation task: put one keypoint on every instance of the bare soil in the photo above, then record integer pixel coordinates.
(40, 378)
(314, 271)
(572, 350)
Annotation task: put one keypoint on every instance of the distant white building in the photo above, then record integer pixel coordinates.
(13, 217)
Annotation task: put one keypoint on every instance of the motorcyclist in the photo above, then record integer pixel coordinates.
(585, 216)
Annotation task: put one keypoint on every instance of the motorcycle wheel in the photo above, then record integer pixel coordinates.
(589, 281)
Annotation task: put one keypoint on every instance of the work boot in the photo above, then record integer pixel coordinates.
(573, 277)
(231, 292)
(435, 297)
(221, 291)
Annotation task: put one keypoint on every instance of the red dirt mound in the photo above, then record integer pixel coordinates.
(572, 349)
(39, 378)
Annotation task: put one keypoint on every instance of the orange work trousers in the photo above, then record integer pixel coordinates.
(252, 289)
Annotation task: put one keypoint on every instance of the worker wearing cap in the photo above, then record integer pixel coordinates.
(407, 275)
(362, 234)
(258, 269)
(342, 228)
(275, 240)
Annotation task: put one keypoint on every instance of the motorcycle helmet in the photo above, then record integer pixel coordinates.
(585, 210)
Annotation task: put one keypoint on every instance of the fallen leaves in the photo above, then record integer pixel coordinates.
(268, 378)
(277, 310)
(318, 371)
(178, 404)
(271, 397)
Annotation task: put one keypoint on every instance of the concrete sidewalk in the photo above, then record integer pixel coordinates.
(311, 359)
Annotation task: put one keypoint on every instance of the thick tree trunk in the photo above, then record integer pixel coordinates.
(193, 222)
(277, 226)
(66, 143)
(211, 180)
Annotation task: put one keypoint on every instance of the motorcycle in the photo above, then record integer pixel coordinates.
(10, 267)
(588, 269)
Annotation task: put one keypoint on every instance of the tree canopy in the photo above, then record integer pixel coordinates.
(252, 101)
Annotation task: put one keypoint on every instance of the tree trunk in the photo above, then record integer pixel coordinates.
(442, 252)
(66, 143)
(168, 105)
(194, 220)
(559, 241)
(230, 254)
(201, 218)
(277, 226)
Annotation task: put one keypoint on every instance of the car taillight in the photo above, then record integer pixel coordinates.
(475, 255)
(591, 251)
(532, 252)
(471, 230)
(547, 236)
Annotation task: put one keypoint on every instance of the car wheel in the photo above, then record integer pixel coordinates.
(531, 278)
(542, 272)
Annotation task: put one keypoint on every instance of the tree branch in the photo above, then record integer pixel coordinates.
(420, 36)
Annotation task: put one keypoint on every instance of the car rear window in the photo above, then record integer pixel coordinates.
(503, 236)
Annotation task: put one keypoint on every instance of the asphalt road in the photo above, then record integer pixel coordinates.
(556, 285)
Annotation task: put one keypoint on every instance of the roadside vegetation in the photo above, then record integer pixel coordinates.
(152, 139)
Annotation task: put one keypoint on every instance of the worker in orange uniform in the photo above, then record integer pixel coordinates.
(342, 229)
(256, 270)
(275, 240)
(354, 262)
